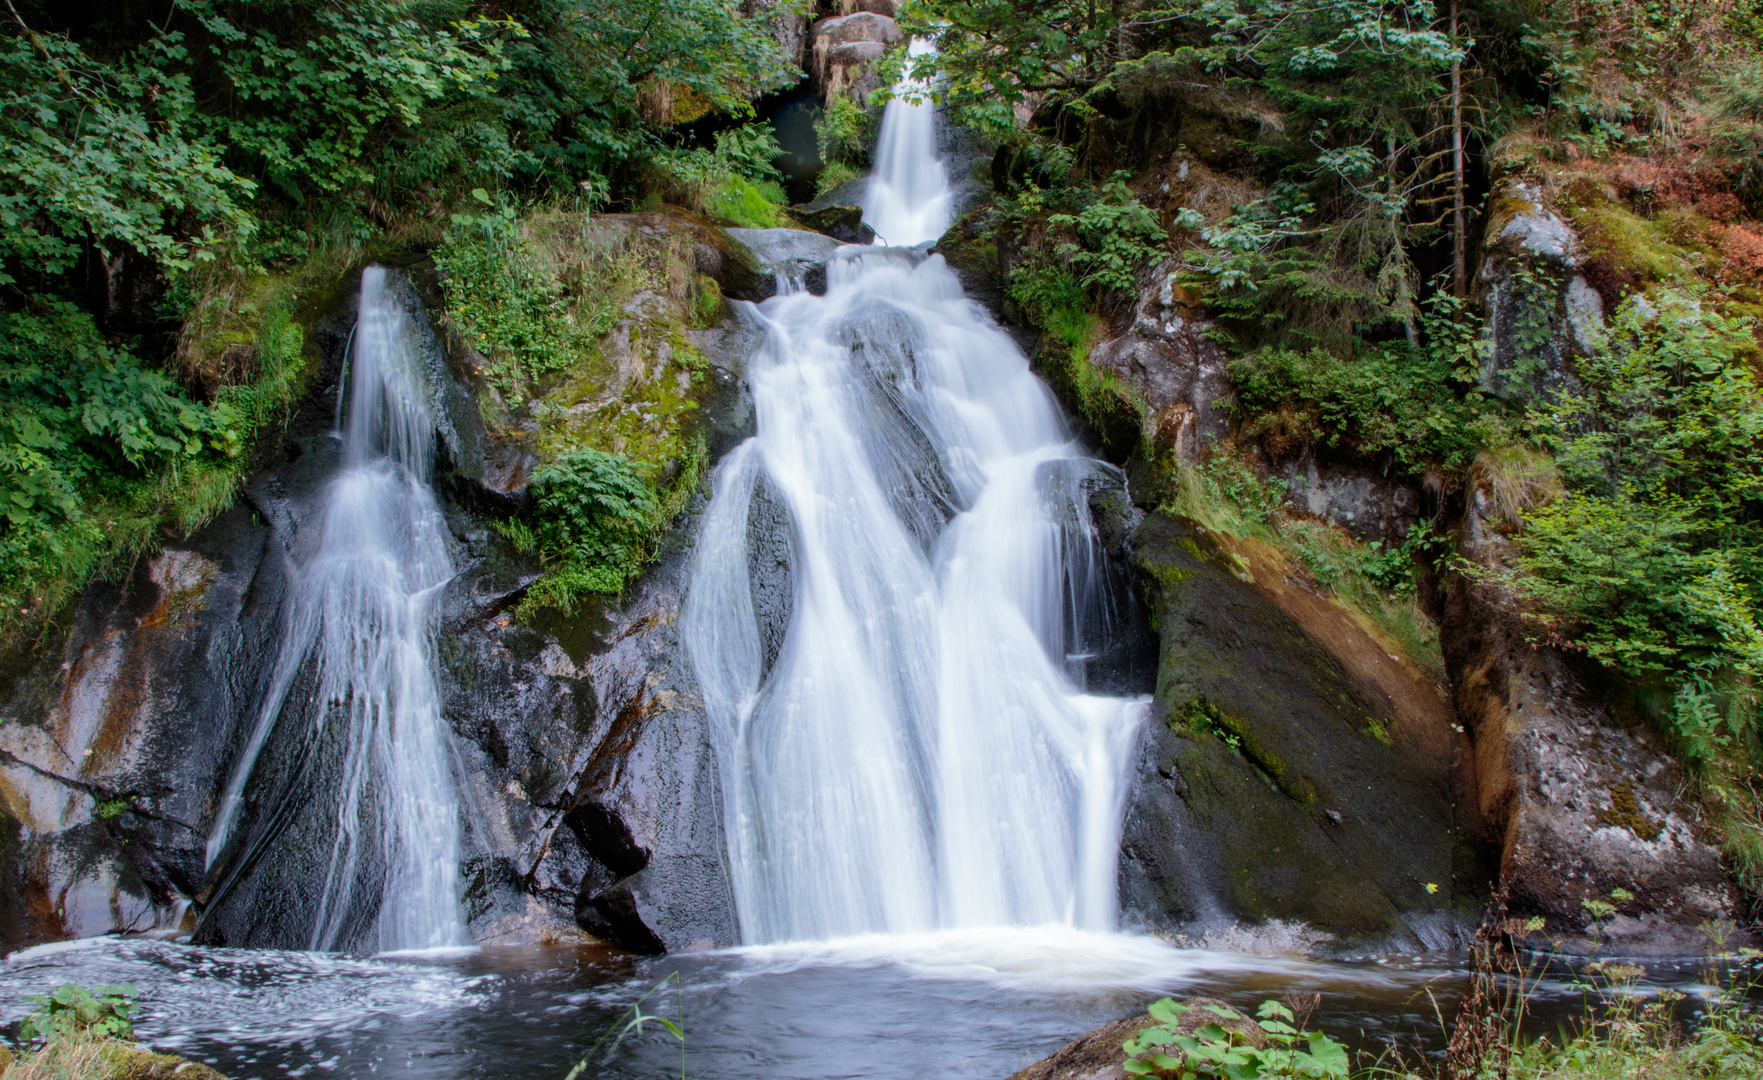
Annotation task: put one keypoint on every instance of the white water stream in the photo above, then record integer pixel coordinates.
(909, 200)
(920, 755)
(362, 606)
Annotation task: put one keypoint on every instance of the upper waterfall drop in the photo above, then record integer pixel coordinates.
(360, 617)
(916, 750)
(909, 200)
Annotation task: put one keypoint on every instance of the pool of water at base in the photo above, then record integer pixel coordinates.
(976, 1004)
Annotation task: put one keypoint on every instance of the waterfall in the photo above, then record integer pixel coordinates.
(909, 200)
(917, 752)
(360, 609)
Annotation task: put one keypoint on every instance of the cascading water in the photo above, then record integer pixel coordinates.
(909, 200)
(918, 754)
(361, 610)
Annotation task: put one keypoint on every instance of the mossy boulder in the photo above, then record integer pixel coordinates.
(1097, 1054)
(91, 1057)
(1290, 769)
(972, 252)
(842, 223)
(1543, 312)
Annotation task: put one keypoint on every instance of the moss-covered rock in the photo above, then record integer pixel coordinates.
(91, 1057)
(1285, 775)
(843, 223)
(1576, 795)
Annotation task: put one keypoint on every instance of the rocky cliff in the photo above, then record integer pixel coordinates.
(588, 778)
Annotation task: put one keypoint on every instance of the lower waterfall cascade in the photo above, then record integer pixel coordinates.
(360, 609)
(920, 754)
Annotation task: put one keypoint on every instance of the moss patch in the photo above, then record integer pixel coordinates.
(91, 1057)
(1201, 716)
(578, 331)
(1624, 812)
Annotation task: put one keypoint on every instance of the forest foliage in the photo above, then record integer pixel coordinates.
(138, 154)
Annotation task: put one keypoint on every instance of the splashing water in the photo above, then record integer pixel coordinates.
(909, 200)
(361, 609)
(918, 753)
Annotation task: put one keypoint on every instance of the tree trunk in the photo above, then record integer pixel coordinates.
(1459, 212)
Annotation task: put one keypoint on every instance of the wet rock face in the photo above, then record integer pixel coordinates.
(792, 255)
(842, 223)
(1542, 312)
(1577, 802)
(1291, 768)
(589, 797)
(1180, 376)
(111, 744)
(633, 845)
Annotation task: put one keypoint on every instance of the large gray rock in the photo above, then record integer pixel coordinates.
(1178, 376)
(1542, 312)
(1363, 499)
(1574, 793)
(843, 51)
(796, 256)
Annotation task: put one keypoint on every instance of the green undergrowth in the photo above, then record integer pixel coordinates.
(736, 182)
(102, 458)
(1619, 1036)
(580, 330)
(844, 132)
(1055, 299)
(1225, 495)
(80, 1034)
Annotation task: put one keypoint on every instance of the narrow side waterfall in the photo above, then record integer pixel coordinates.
(909, 200)
(360, 609)
(917, 752)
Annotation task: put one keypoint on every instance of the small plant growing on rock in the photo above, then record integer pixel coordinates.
(71, 1009)
(1225, 1043)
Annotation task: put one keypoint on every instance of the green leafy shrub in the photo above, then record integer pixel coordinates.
(1054, 298)
(1651, 560)
(1392, 400)
(835, 175)
(1224, 494)
(737, 183)
(68, 123)
(1116, 236)
(526, 319)
(595, 514)
(843, 133)
(320, 107)
(68, 1009)
(1213, 1050)
(94, 449)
